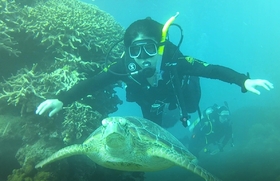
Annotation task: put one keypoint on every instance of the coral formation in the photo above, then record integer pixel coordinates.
(18, 87)
(70, 25)
(65, 27)
(9, 23)
(69, 40)
(79, 130)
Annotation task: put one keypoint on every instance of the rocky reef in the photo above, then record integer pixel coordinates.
(46, 47)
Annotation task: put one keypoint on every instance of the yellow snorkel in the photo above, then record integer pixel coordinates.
(157, 76)
(164, 33)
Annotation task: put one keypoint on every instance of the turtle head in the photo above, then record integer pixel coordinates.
(115, 132)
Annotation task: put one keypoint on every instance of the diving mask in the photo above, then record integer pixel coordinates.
(224, 116)
(140, 47)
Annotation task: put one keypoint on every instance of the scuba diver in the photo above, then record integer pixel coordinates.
(154, 70)
(213, 128)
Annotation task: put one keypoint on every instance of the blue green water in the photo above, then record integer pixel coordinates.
(243, 35)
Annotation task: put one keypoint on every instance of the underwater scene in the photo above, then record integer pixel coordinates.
(48, 46)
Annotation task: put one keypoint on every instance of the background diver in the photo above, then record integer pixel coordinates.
(213, 128)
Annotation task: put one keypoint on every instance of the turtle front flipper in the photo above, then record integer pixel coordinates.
(183, 159)
(77, 149)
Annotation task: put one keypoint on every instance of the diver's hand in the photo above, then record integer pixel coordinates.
(251, 84)
(54, 105)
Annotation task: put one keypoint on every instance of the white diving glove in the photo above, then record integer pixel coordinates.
(54, 105)
(251, 84)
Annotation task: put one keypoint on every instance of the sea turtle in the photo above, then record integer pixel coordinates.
(132, 144)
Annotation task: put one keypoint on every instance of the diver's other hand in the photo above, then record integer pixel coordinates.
(54, 105)
(251, 84)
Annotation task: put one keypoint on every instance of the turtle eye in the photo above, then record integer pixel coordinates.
(122, 122)
(104, 122)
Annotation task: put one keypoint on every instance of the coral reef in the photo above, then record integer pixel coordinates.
(70, 25)
(52, 45)
(9, 23)
(64, 27)
(18, 87)
(77, 131)
(28, 86)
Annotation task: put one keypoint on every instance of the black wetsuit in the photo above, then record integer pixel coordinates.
(145, 95)
(210, 131)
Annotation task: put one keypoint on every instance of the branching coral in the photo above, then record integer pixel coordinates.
(18, 87)
(80, 120)
(9, 23)
(64, 31)
(70, 24)
(27, 85)
(65, 27)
